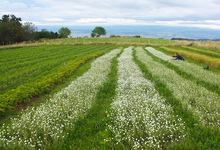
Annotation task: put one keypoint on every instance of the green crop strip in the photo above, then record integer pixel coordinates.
(91, 130)
(45, 82)
(58, 115)
(198, 57)
(188, 76)
(198, 136)
(201, 51)
(38, 63)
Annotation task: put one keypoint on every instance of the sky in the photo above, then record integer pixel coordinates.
(190, 13)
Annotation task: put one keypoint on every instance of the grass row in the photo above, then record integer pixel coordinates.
(26, 91)
(91, 130)
(197, 136)
(50, 123)
(19, 69)
(212, 69)
(201, 58)
(101, 41)
(187, 70)
(202, 51)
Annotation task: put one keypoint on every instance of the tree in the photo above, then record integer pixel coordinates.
(29, 31)
(44, 34)
(10, 18)
(11, 30)
(98, 31)
(54, 35)
(64, 32)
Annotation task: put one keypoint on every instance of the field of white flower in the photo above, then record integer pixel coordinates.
(53, 120)
(140, 117)
(188, 67)
(204, 104)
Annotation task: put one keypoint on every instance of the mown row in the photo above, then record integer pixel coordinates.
(27, 72)
(131, 99)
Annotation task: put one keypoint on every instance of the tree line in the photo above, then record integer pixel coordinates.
(12, 31)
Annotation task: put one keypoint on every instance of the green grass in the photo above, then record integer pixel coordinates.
(42, 98)
(22, 65)
(213, 54)
(212, 69)
(34, 78)
(91, 130)
(178, 70)
(198, 136)
(100, 41)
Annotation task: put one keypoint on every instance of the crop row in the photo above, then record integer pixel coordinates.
(22, 55)
(201, 58)
(44, 84)
(190, 68)
(140, 117)
(21, 71)
(116, 40)
(51, 122)
(204, 104)
(206, 52)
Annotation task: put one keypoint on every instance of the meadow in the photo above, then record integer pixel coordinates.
(91, 41)
(115, 97)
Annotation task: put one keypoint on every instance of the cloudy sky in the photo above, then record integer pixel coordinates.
(194, 13)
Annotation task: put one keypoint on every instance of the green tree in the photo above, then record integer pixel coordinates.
(64, 32)
(11, 30)
(98, 31)
(44, 34)
(54, 35)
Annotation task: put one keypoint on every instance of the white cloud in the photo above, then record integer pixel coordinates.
(201, 13)
(107, 20)
(53, 19)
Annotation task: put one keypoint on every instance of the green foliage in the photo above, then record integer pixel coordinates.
(44, 34)
(64, 32)
(198, 136)
(10, 29)
(92, 129)
(43, 82)
(10, 18)
(98, 31)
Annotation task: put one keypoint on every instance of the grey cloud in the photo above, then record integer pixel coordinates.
(140, 10)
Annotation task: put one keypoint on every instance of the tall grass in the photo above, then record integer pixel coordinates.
(215, 62)
(207, 45)
(101, 41)
(207, 52)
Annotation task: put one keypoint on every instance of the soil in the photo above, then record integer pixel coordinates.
(24, 105)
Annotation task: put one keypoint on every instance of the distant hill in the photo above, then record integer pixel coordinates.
(195, 39)
(166, 32)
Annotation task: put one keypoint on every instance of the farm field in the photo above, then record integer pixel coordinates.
(129, 98)
(116, 40)
(29, 71)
